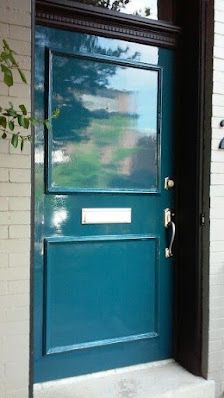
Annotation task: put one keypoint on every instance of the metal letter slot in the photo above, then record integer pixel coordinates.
(106, 216)
(168, 223)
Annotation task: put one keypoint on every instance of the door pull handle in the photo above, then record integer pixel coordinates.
(168, 223)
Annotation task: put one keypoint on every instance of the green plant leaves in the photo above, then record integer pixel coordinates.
(3, 121)
(15, 140)
(47, 124)
(8, 63)
(26, 122)
(8, 78)
(56, 113)
(22, 76)
(23, 109)
(10, 111)
(11, 125)
(20, 120)
(11, 117)
(23, 121)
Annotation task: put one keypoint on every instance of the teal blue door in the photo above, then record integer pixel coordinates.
(102, 283)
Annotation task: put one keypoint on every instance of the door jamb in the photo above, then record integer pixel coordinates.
(194, 150)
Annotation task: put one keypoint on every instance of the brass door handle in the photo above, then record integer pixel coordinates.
(168, 223)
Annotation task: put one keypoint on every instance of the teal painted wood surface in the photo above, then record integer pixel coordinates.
(102, 292)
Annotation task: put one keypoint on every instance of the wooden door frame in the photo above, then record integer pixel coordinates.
(194, 149)
(194, 37)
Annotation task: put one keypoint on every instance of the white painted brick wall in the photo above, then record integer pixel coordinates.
(15, 21)
(216, 327)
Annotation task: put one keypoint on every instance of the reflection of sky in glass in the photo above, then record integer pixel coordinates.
(143, 85)
(138, 87)
(144, 8)
(147, 54)
(139, 6)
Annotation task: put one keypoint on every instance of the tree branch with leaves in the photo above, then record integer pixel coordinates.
(14, 119)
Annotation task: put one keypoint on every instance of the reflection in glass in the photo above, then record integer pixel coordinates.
(153, 9)
(106, 135)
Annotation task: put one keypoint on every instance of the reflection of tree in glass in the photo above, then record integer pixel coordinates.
(116, 5)
(86, 167)
(72, 76)
(115, 157)
(144, 13)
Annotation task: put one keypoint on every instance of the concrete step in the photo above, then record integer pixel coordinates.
(164, 379)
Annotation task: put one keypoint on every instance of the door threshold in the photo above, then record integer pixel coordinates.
(163, 379)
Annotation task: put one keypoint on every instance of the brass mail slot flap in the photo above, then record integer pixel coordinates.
(106, 216)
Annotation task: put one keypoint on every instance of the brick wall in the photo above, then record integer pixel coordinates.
(216, 330)
(15, 218)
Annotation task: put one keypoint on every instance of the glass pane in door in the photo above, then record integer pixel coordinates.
(107, 135)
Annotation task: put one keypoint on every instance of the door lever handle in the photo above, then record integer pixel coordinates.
(168, 223)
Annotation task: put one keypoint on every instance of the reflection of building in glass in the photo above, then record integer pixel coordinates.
(110, 100)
